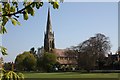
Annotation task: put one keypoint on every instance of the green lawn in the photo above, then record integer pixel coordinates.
(71, 75)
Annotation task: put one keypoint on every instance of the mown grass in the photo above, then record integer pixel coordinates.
(71, 75)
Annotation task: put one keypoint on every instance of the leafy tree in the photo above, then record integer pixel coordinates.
(11, 75)
(29, 62)
(92, 50)
(8, 66)
(116, 65)
(19, 62)
(25, 61)
(48, 61)
(95, 49)
(32, 50)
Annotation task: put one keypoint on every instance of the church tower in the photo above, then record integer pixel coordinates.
(49, 44)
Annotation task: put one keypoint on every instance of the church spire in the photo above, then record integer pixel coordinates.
(49, 26)
(49, 35)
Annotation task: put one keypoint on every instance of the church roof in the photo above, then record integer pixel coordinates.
(63, 58)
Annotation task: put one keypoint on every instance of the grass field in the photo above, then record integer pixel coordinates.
(72, 75)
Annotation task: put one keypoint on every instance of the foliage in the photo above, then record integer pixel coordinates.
(116, 65)
(7, 66)
(25, 61)
(19, 62)
(3, 50)
(48, 60)
(11, 75)
(29, 62)
(92, 51)
(33, 51)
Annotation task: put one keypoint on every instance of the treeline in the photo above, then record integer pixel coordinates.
(29, 62)
(95, 54)
(92, 54)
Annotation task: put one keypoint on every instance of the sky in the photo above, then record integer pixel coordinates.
(72, 23)
(70, 0)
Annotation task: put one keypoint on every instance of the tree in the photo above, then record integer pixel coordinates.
(92, 50)
(48, 61)
(7, 66)
(95, 49)
(32, 50)
(116, 65)
(29, 62)
(25, 61)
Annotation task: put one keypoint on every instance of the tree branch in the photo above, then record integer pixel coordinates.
(20, 11)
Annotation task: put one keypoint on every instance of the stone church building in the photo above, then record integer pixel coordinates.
(49, 45)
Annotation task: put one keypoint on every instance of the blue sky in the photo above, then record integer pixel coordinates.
(72, 23)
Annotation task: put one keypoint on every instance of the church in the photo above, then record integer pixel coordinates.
(49, 45)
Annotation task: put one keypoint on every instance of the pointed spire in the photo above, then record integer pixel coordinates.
(49, 26)
(49, 35)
